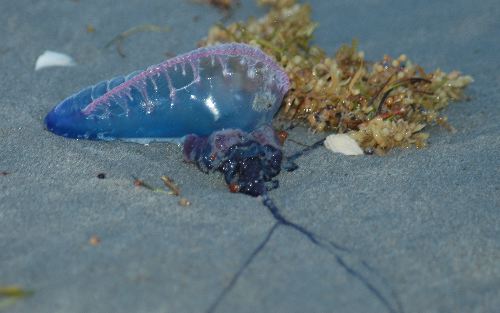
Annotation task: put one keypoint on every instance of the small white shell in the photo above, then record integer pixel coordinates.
(342, 143)
(52, 58)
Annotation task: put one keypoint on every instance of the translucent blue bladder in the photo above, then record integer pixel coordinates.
(209, 89)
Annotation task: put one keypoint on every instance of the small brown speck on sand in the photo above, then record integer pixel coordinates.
(95, 240)
(90, 28)
(184, 202)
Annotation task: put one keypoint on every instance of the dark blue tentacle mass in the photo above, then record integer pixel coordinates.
(248, 161)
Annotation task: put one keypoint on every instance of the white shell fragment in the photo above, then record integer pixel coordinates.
(52, 58)
(342, 143)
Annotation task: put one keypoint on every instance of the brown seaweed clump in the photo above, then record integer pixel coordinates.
(382, 104)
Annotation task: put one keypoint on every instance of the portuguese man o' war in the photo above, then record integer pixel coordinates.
(209, 89)
(218, 101)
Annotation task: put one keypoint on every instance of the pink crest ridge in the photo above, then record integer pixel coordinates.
(229, 49)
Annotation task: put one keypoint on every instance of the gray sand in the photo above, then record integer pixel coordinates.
(422, 227)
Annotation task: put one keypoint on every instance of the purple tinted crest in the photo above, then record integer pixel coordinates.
(208, 89)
